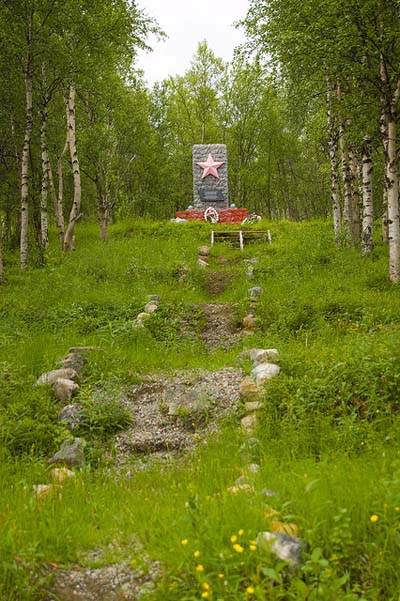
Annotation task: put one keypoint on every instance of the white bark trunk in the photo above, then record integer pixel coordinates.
(333, 137)
(346, 176)
(384, 135)
(389, 101)
(385, 218)
(367, 237)
(44, 224)
(59, 199)
(393, 202)
(76, 204)
(355, 196)
(24, 246)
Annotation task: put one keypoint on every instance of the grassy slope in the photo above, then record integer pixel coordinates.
(329, 431)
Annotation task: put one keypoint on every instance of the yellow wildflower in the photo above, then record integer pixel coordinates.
(184, 541)
(196, 554)
(233, 538)
(252, 542)
(199, 568)
(238, 548)
(374, 518)
(253, 547)
(205, 586)
(241, 532)
(397, 508)
(250, 590)
(205, 595)
(221, 576)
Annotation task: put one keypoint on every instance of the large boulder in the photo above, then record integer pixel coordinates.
(71, 453)
(50, 377)
(264, 372)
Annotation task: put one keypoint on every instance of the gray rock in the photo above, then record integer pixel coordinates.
(64, 389)
(251, 449)
(252, 406)
(249, 423)
(71, 453)
(264, 372)
(82, 350)
(153, 298)
(151, 307)
(75, 361)
(204, 251)
(142, 317)
(259, 355)
(267, 492)
(250, 272)
(71, 416)
(253, 468)
(255, 292)
(50, 377)
(249, 322)
(285, 547)
(249, 391)
(252, 261)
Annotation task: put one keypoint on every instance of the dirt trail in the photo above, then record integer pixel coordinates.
(220, 330)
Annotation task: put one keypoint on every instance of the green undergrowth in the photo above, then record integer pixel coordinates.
(328, 435)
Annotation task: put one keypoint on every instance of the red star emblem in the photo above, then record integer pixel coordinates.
(210, 167)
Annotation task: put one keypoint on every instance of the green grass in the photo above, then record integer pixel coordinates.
(328, 434)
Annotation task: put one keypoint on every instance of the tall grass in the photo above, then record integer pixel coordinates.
(328, 434)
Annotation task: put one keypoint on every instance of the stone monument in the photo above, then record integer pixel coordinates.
(210, 176)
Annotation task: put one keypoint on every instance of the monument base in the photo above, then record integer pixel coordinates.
(227, 216)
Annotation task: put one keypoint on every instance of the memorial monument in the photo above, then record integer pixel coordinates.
(210, 187)
(210, 176)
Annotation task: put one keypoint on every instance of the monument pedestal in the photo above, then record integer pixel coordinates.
(226, 216)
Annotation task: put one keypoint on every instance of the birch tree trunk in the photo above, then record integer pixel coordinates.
(346, 176)
(384, 135)
(355, 196)
(389, 101)
(385, 218)
(367, 237)
(44, 224)
(76, 203)
(24, 245)
(393, 198)
(58, 207)
(333, 138)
